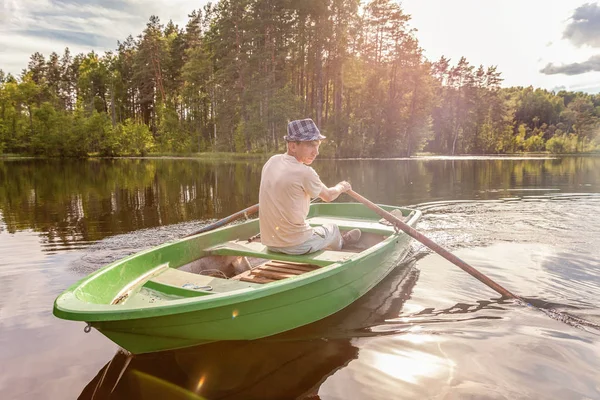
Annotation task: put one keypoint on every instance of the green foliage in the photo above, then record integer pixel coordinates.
(170, 135)
(239, 139)
(78, 138)
(100, 134)
(534, 143)
(232, 78)
(562, 143)
(134, 139)
(519, 139)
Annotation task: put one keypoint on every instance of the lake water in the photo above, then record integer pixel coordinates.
(428, 330)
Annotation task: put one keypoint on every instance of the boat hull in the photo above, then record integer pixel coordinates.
(253, 314)
(257, 318)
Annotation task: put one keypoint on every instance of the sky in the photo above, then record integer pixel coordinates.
(552, 44)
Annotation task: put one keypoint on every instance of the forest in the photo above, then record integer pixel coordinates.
(239, 70)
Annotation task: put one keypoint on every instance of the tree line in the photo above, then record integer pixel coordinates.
(232, 78)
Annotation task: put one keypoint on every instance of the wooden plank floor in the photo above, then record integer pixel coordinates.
(274, 270)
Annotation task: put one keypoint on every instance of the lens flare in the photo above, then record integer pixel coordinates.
(200, 383)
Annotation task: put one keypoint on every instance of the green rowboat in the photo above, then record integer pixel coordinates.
(219, 285)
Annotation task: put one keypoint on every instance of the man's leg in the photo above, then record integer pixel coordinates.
(330, 235)
(325, 236)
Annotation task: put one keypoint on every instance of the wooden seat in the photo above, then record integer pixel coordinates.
(346, 224)
(274, 270)
(258, 250)
(195, 282)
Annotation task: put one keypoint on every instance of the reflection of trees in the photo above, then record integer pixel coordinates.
(72, 200)
(69, 201)
(382, 181)
(467, 179)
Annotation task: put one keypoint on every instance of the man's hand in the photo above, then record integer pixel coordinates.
(332, 193)
(344, 186)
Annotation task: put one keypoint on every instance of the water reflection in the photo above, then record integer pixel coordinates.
(264, 369)
(531, 225)
(77, 202)
(70, 201)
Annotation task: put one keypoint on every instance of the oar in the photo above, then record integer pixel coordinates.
(552, 313)
(233, 217)
(432, 245)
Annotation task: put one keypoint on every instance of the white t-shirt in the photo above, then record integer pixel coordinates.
(286, 187)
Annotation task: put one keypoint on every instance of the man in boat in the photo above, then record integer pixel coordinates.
(287, 184)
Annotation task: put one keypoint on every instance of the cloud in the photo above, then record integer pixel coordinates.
(27, 26)
(584, 28)
(592, 64)
(74, 37)
(589, 89)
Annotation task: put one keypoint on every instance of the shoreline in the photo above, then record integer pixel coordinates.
(224, 156)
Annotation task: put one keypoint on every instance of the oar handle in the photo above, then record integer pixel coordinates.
(432, 245)
(233, 217)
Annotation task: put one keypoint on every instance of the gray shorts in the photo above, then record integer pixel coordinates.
(324, 236)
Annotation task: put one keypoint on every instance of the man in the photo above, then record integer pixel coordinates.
(287, 184)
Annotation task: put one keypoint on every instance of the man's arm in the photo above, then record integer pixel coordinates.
(332, 193)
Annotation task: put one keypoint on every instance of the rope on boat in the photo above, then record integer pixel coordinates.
(212, 271)
(87, 328)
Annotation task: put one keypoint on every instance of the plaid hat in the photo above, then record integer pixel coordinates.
(303, 130)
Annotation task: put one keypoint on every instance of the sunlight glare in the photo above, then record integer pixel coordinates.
(409, 364)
